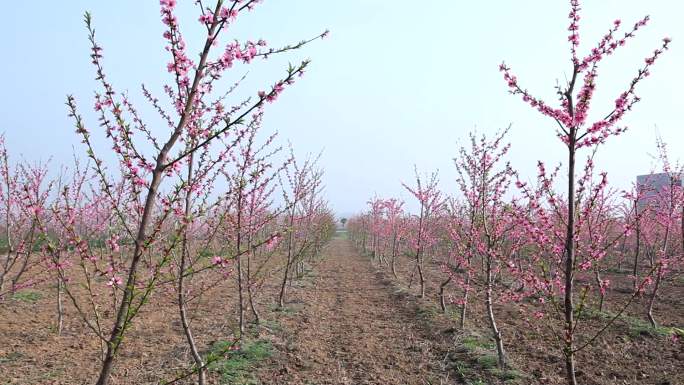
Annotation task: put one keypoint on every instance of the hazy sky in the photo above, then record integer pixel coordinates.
(397, 83)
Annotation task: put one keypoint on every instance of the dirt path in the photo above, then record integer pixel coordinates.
(354, 329)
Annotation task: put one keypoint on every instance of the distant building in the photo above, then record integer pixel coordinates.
(650, 185)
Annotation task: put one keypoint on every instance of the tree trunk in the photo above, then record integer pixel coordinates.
(241, 306)
(60, 305)
(464, 306)
(249, 284)
(419, 251)
(182, 310)
(569, 267)
(623, 247)
(252, 306)
(442, 303)
(659, 276)
(22, 269)
(492, 321)
(651, 301)
(394, 257)
(421, 277)
(281, 296)
(122, 316)
(199, 363)
(602, 295)
(635, 269)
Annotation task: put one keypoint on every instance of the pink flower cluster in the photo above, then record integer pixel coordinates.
(235, 51)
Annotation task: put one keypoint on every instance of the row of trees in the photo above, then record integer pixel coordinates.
(502, 241)
(506, 239)
(208, 203)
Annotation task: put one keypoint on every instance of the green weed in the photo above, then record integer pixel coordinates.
(237, 367)
(29, 296)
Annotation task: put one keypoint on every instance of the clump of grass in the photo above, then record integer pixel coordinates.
(453, 313)
(309, 272)
(462, 369)
(427, 313)
(639, 327)
(476, 343)
(289, 309)
(636, 327)
(12, 356)
(477, 382)
(236, 367)
(272, 325)
(507, 375)
(29, 296)
(400, 290)
(475, 356)
(487, 361)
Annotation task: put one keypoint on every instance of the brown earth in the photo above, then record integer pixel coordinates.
(354, 329)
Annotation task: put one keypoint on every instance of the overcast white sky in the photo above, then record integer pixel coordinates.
(397, 83)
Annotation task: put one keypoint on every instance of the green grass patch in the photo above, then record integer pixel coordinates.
(237, 367)
(272, 325)
(309, 274)
(487, 361)
(615, 270)
(475, 362)
(453, 313)
(639, 327)
(475, 343)
(29, 296)
(288, 310)
(476, 382)
(636, 327)
(206, 253)
(507, 375)
(427, 313)
(462, 369)
(10, 357)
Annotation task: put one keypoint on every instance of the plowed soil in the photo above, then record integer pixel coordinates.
(354, 329)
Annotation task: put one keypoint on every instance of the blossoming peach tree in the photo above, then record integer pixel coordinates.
(24, 193)
(156, 177)
(484, 180)
(425, 235)
(577, 132)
